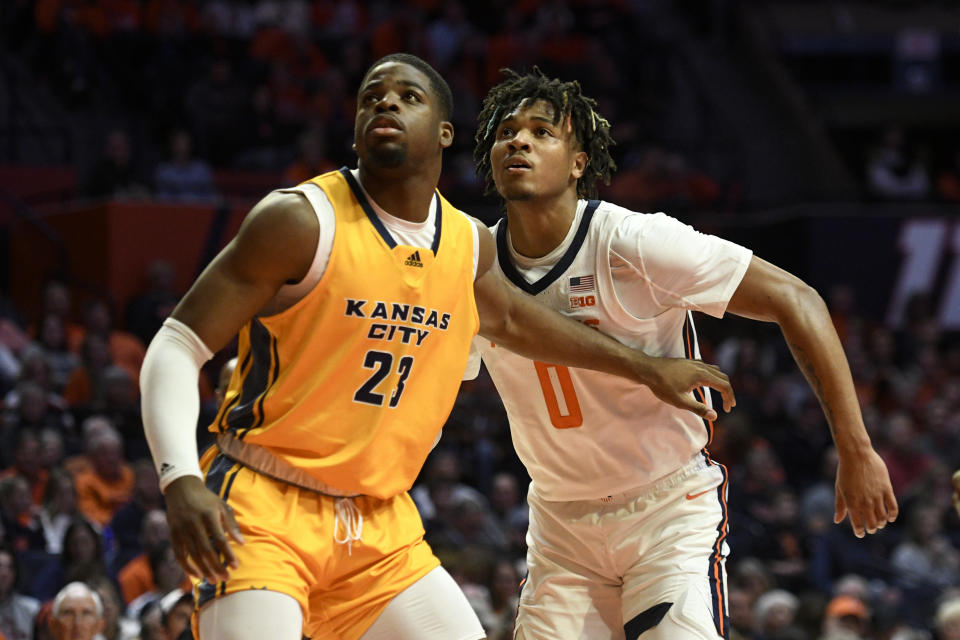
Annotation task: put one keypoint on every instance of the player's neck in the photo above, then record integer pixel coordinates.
(538, 226)
(404, 195)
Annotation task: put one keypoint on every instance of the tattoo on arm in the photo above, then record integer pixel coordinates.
(806, 366)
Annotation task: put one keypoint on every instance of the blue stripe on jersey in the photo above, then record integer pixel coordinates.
(646, 620)
(503, 254)
(248, 412)
(217, 473)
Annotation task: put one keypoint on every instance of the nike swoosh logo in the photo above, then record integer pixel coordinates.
(693, 496)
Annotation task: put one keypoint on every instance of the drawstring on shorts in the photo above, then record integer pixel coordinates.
(347, 513)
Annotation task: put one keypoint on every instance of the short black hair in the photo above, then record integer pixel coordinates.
(591, 129)
(440, 87)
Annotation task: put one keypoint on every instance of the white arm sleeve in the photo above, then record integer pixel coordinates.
(170, 399)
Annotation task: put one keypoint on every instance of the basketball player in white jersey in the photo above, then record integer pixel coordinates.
(297, 537)
(627, 510)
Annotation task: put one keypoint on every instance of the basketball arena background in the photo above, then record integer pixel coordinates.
(824, 135)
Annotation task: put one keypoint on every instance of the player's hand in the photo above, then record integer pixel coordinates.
(864, 493)
(675, 378)
(199, 524)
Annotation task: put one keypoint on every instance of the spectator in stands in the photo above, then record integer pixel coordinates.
(17, 611)
(905, 454)
(17, 517)
(167, 576)
(77, 613)
(503, 584)
(116, 175)
(52, 343)
(116, 626)
(176, 608)
(311, 158)
(127, 523)
(511, 514)
(442, 488)
(82, 559)
(472, 525)
(895, 172)
(265, 144)
(29, 407)
(147, 310)
(85, 381)
(774, 613)
(52, 448)
(126, 350)
(59, 509)
(183, 177)
(216, 105)
(947, 619)
(119, 401)
(151, 622)
(662, 178)
(926, 556)
(846, 614)
(740, 609)
(26, 464)
(136, 576)
(108, 484)
(447, 34)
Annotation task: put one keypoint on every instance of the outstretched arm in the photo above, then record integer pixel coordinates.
(523, 325)
(863, 484)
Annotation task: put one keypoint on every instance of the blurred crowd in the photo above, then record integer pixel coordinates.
(901, 167)
(269, 85)
(192, 87)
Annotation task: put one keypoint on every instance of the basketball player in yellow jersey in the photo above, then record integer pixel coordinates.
(356, 297)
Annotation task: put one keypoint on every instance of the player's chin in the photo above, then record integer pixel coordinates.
(387, 155)
(513, 192)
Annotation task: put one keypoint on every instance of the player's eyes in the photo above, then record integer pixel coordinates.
(505, 132)
(413, 96)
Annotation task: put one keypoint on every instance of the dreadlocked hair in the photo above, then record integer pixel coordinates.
(591, 129)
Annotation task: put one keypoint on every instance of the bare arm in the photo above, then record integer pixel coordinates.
(863, 485)
(523, 325)
(275, 245)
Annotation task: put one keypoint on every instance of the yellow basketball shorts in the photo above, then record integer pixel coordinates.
(291, 548)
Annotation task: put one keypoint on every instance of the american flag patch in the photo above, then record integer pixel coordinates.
(581, 284)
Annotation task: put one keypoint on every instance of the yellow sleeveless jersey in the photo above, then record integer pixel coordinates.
(353, 383)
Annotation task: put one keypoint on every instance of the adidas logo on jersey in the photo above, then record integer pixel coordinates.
(413, 260)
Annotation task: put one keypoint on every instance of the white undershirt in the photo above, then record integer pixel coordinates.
(414, 234)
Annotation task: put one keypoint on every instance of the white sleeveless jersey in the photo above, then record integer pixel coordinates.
(584, 434)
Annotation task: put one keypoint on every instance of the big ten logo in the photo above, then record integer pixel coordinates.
(577, 302)
(930, 249)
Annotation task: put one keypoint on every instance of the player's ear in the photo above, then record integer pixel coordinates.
(446, 134)
(580, 159)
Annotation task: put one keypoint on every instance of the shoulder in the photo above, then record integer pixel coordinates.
(282, 211)
(280, 220)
